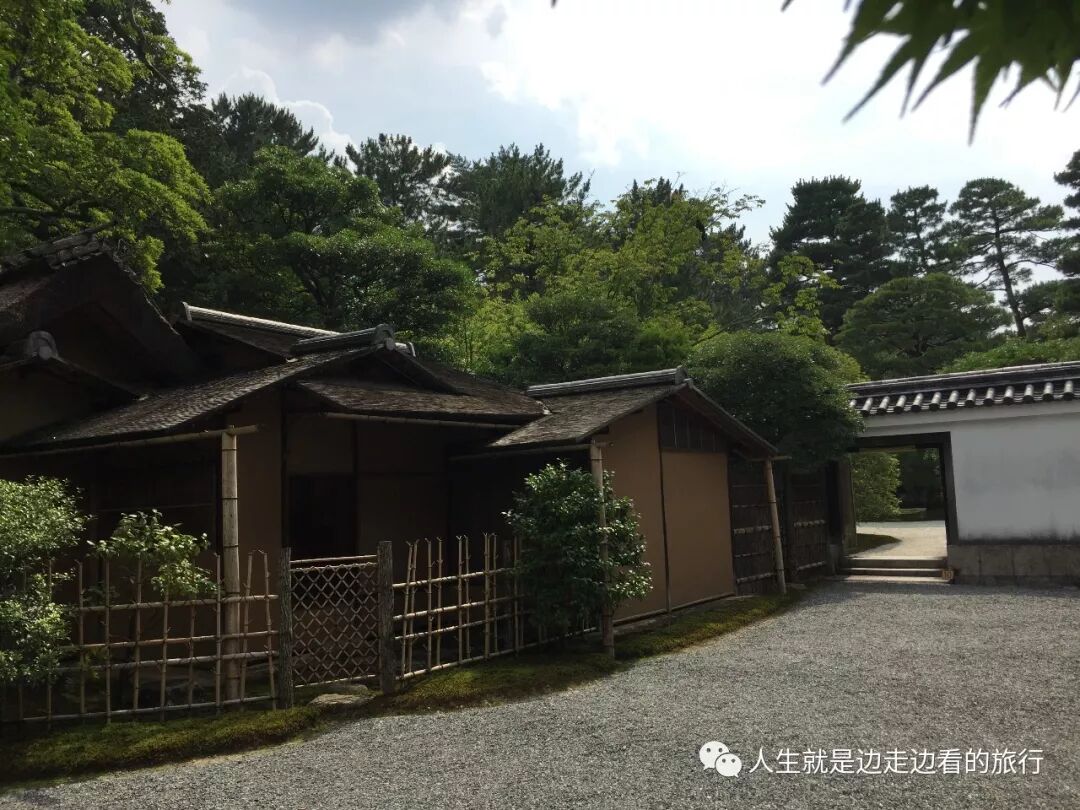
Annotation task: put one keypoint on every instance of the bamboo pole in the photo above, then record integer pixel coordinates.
(191, 656)
(82, 640)
(439, 603)
(108, 651)
(269, 630)
(217, 625)
(164, 653)
(487, 597)
(427, 604)
(230, 547)
(247, 627)
(49, 681)
(138, 636)
(607, 625)
(774, 516)
(460, 600)
(468, 597)
(173, 439)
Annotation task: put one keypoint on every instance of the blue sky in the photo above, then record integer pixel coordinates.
(717, 92)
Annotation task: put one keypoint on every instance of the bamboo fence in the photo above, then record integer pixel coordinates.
(132, 655)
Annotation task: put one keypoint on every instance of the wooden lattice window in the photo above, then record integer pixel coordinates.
(681, 429)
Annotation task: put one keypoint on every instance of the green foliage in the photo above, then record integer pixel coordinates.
(875, 478)
(917, 232)
(409, 178)
(788, 388)
(556, 518)
(166, 89)
(142, 538)
(305, 240)
(38, 521)
(843, 234)
(62, 168)
(571, 335)
(913, 326)
(1000, 232)
(485, 197)
(237, 128)
(1036, 38)
(1016, 352)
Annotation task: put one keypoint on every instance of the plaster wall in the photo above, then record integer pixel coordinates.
(1016, 469)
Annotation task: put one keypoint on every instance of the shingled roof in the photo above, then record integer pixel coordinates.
(1018, 385)
(175, 408)
(581, 408)
(389, 399)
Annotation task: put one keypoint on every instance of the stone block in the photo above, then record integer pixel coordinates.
(996, 561)
(1063, 562)
(965, 561)
(1030, 562)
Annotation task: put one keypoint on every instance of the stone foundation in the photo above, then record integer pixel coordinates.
(1016, 563)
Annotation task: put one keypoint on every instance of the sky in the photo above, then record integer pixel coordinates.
(719, 93)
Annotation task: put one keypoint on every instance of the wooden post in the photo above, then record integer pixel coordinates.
(774, 516)
(607, 624)
(230, 548)
(285, 630)
(385, 578)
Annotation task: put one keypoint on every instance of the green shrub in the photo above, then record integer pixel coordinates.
(875, 478)
(555, 518)
(1019, 352)
(38, 520)
(142, 537)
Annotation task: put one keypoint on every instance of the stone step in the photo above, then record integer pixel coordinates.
(874, 571)
(897, 562)
(891, 579)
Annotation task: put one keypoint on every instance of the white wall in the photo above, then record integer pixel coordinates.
(1016, 468)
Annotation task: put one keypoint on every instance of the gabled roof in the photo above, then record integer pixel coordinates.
(44, 284)
(175, 408)
(1043, 382)
(581, 408)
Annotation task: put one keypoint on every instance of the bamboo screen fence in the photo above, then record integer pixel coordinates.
(461, 608)
(135, 652)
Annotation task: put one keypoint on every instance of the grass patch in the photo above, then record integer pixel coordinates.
(95, 748)
(561, 666)
(695, 627)
(88, 749)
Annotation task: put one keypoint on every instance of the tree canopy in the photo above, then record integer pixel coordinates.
(912, 326)
(62, 168)
(788, 388)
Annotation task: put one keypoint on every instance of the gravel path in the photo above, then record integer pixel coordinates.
(917, 538)
(871, 666)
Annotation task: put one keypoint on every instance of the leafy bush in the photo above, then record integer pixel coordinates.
(142, 537)
(875, 477)
(789, 389)
(38, 520)
(555, 517)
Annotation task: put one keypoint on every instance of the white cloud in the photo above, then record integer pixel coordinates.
(312, 114)
(722, 91)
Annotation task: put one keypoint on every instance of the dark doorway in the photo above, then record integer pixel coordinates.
(322, 516)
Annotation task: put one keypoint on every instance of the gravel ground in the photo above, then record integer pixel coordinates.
(872, 666)
(917, 538)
